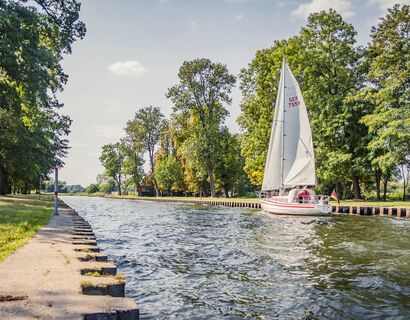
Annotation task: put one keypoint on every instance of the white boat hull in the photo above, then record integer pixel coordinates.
(302, 209)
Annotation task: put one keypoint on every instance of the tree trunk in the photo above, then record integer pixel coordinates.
(226, 191)
(384, 190)
(4, 183)
(24, 190)
(356, 187)
(404, 192)
(338, 190)
(119, 184)
(211, 179)
(137, 189)
(378, 180)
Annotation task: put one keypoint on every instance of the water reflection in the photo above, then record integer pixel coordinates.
(197, 262)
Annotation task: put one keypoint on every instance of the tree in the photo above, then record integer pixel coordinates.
(168, 174)
(404, 175)
(324, 60)
(112, 159)
(92, 188)
(133, 162)
(229, 166)
(145, 130)
(202, 89)
(105, 183)
(33, 40)
(388, 58)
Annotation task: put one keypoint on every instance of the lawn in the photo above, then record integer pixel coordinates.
(20, 218)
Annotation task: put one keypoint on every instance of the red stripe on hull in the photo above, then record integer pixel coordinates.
(286, 205)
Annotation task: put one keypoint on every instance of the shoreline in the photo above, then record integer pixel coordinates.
(61, 274)
(363, 210)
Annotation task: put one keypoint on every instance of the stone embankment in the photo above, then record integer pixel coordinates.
(62, 274)
(401, 212)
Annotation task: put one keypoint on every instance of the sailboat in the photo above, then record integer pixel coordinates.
(290, 162)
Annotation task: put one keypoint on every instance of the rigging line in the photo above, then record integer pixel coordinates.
(305, 147)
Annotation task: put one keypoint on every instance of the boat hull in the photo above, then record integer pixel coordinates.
(301, 209)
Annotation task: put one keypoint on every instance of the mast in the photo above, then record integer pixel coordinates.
(283, 124)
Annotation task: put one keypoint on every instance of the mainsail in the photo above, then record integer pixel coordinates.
(290, 160)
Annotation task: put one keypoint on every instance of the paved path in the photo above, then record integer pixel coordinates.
(45, 275)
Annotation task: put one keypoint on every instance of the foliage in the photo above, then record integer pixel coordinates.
(324, 60)
(168, 174)
(92, 188)
(387, 59)
(144, 132)
(202, 89)
(33, 40)
(112, 160)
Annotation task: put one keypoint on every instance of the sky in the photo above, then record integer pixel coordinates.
(133, 49)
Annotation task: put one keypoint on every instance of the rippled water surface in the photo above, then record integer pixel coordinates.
(200, 262)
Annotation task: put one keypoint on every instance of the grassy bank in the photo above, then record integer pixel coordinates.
(20, 218)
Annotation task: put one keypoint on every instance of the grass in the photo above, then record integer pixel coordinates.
(20, 218)
(93, 274)
(86, 283)
(367, 203)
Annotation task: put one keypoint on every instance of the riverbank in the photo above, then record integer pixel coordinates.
(61, 274)
(20, 219)
(353, 207)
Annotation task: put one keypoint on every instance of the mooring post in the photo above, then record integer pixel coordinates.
(56, 192)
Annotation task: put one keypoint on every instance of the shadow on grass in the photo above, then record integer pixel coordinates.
(20, 219)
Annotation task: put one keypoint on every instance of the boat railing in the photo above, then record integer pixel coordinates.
(318, 199)
(267, 194)
(312, 199)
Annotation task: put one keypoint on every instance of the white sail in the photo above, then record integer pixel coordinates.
(290, 159)
(272, 176)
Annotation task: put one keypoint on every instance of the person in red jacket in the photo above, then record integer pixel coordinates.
(304, 196)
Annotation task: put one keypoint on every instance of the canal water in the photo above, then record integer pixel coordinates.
(203, 262)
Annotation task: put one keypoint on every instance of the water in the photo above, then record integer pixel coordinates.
(202, 262)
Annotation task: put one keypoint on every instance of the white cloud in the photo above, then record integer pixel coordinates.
(386, 4)
(127, 68)
(343, 7)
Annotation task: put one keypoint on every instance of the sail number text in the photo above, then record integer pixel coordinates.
(293, 102)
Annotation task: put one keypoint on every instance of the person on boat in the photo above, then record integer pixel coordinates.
(304, 196)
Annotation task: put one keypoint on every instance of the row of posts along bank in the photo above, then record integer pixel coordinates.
(400, 212)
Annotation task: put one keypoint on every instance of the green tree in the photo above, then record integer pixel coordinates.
(388, 59)
(33, 41)
(229, 166)
(105, 183)
(168, 174)
(145, 129)
(329, 69)
(202, 89)
(133, 162)
(92, 188)
(324, 60)
(112, 159)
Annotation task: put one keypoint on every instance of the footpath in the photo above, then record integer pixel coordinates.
(61, 274)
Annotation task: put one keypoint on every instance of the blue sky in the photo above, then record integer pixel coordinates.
(134, 48)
